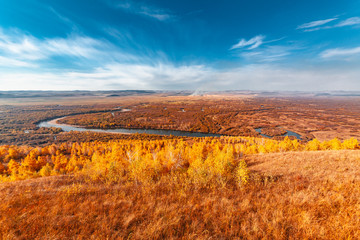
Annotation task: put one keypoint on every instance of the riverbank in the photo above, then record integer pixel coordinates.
(68, 128)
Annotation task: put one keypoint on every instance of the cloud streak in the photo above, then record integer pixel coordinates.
(64, 19)
(318, 25)
(189, 77)
(252, 43)
(349, 22)
(340, 52)
(28, 51)
(315, 23)
(145, 10)
(269, 54)
(9, 62)
(140, 76)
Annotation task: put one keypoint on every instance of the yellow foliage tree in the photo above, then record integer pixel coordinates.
(351, 143)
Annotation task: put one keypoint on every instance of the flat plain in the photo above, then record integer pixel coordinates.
(93, 185)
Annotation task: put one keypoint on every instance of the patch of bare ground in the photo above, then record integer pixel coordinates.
(295, 195)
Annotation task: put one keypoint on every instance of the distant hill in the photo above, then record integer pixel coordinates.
(121, 93)
(45, 94)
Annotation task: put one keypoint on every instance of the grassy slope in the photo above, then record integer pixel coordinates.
(294, 195)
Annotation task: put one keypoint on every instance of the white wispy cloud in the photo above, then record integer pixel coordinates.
(189, 77)
(9, 62)
(64, 19)
(112, 76)
(145, 10)
(252, 43)
(77, 46)
(26, 50)
(317, 28)
(140, 76)
(349, 22)
(340, 52)
(159, 15)
(316, 23)
(269, 54)
(319, 25)
(19, 47)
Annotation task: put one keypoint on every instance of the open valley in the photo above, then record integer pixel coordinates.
(60, 184)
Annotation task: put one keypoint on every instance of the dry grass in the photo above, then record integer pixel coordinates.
(332, 165)
(295, 195)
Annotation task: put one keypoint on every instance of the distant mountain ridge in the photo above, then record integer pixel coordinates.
(121, 93)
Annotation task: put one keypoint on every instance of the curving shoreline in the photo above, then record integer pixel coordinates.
(288, 134)
(68, 128)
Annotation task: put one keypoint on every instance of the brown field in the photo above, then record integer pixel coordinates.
(322, 117)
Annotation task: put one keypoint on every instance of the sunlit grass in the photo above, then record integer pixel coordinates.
(229, 188)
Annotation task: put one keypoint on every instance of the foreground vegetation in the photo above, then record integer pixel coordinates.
(181, 188)
(144, 161)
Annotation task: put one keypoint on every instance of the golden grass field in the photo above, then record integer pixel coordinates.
(278, 205)
(286, 194)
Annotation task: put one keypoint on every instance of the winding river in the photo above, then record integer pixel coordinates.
(68, 128)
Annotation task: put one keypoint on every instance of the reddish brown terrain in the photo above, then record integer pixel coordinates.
(317, 117)
(321, 117)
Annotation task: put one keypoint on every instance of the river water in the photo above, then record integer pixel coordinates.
(289, 133)
(68, 128)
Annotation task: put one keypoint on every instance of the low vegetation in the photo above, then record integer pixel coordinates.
(181, 188)
(322, 118)
(143, 161)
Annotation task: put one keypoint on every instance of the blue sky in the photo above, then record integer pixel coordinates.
(177, 45)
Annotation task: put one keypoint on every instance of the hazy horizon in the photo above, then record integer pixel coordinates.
(180, 45)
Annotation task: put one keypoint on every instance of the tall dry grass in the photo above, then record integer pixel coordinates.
(297, 195)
